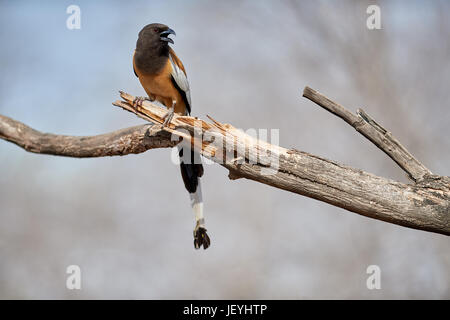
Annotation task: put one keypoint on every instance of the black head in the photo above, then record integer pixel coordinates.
(155, 35)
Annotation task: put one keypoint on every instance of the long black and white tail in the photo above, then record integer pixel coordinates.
(191, 170)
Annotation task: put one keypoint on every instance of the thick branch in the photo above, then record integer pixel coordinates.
(424, 205)
(121, 142)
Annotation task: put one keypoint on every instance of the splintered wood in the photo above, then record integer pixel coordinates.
(218, 141)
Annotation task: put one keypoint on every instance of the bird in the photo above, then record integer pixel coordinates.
(163, 77)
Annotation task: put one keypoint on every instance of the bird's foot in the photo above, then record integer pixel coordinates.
(137, 102)
(168, 117)
(201, 238)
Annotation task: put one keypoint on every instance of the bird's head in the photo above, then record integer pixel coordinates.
(156, 34)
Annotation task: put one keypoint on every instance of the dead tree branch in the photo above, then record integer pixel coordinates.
(383, 139)
(423, 205)
(118, 143)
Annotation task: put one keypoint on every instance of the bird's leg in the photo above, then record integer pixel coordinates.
(137, 102)
(169, 115)
(201, 238)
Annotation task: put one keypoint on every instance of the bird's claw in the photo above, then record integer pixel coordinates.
(168, 117)
(201, 238)
(137, 102)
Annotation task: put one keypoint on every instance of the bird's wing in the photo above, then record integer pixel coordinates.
(180, 79)
(134, 69)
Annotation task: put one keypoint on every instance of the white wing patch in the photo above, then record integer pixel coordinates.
(181, 80)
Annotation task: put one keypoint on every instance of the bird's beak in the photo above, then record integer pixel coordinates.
(164, 35)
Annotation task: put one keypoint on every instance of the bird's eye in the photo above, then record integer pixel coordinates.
(155, 29)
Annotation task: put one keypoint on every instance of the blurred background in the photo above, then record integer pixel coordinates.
(126, 221)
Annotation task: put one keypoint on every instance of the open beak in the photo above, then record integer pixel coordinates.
(164, 35)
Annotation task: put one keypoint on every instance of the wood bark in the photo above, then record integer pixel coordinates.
(423, 204)
(118, 143)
